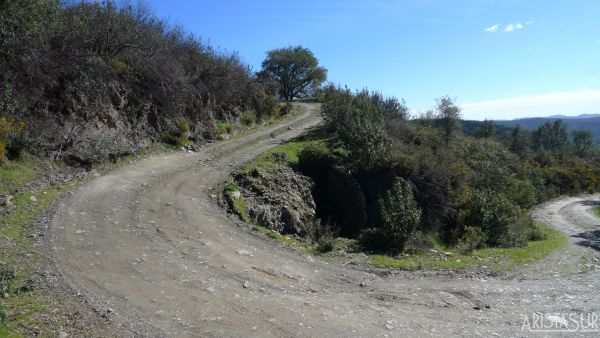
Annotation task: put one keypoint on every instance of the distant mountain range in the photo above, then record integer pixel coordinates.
(581, 116)
(590, 122)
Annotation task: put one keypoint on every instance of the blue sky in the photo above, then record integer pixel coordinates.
(499, 58)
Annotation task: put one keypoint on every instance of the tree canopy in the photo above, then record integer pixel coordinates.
(295, 71)
(550, 135)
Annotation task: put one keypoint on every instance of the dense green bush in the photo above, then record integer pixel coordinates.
(373, 240)
(520, 231)
(400, 214)
(360, 120)
(326, 243)
(314, 158)
(521, 193)
(491, 212)
(489, 164)
(472, 238)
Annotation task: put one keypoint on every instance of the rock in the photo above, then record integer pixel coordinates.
(244, 253)
(236, 194)
(278, 198)
(7, 200)
(246, 284)
(389, 326)
(62, 334)
(33, 199)
(210, 290)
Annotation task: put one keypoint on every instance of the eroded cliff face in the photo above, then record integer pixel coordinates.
(288, 201)
(278, 198)
(94, 126)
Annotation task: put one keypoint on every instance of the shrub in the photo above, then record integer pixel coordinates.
(314, 157)
(224, 128)
(10, 130)
(400, 214)
(521, 193)
(536, 232)
(270, 107)
(326, 244)
(472, 238)
(419, 241)
(248, 119)
(488, 163)
(7, 277)
(520, 230)
(179, 134)
(286, 108)
(493, 213)
(373, 239)
(18, 143)
(360, 120)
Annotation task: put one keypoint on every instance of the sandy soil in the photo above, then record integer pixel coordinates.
(150, 249)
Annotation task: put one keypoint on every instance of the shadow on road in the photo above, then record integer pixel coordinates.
(590, 203)
(590, 239)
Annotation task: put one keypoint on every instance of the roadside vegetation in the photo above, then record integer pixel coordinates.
(418, 192)
(89, 82)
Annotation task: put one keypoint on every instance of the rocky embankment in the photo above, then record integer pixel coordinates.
(276, 197)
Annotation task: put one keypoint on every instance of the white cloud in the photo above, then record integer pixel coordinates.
(492, 29)
(512, 27)
(508, 28)
(585, 101)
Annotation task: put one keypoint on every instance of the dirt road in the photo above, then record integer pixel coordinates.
(150, 249)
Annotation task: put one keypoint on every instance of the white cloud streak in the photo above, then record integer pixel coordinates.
(511, 27)
(585, 101)
(492, 29)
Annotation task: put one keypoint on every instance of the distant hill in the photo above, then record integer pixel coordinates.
(590, 122)
(581, 116)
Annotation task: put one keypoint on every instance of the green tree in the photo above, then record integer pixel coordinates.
(295, 69)
(583, 141)
(400, 214)
(551, 136)
(361, 125)
(519, 140)
(448, 113)
(486, 130)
